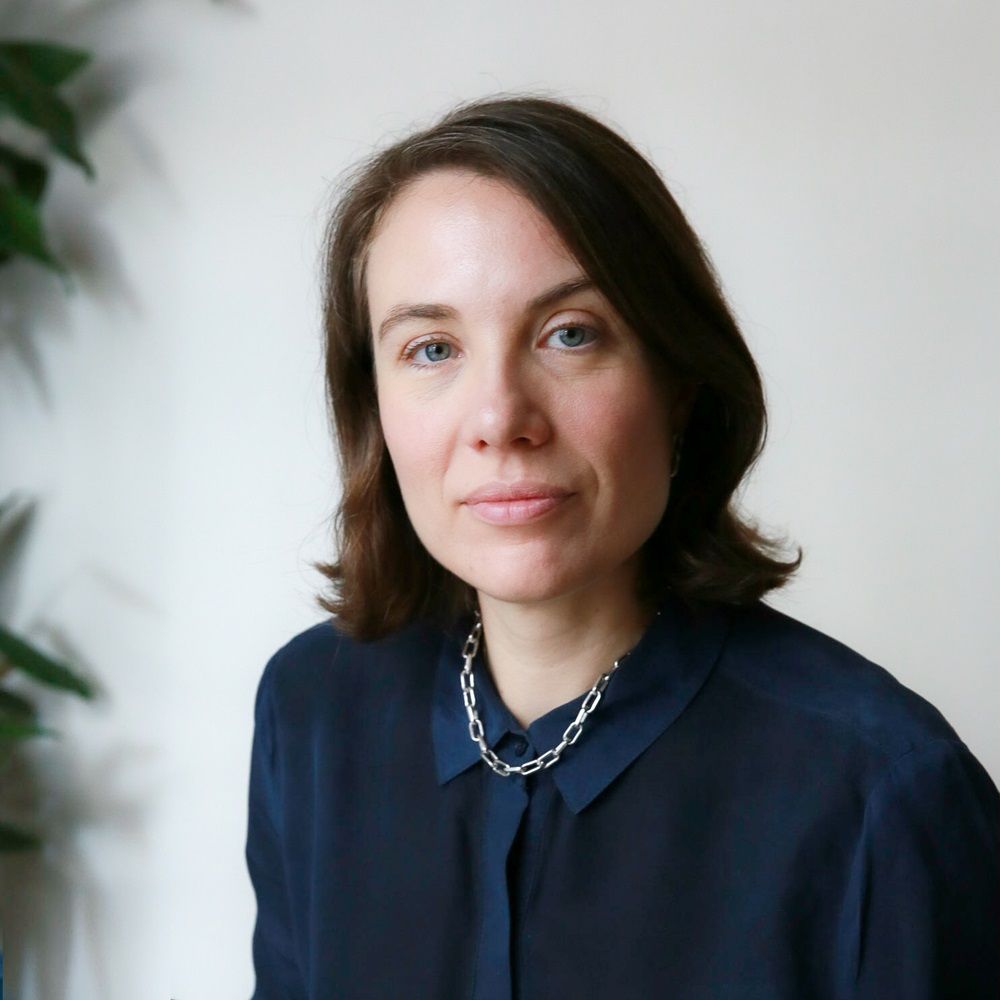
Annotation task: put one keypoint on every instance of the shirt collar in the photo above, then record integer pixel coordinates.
(648, 691)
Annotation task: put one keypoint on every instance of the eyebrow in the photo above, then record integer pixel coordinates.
(437, 311)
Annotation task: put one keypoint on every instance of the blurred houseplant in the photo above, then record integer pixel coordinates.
(31, 108)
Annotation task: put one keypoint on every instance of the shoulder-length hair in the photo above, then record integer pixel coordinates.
(615, 214)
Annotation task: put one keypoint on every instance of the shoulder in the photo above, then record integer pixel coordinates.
(809, 675)
(322, 666)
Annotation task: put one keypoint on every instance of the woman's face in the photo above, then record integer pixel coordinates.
(497, 364)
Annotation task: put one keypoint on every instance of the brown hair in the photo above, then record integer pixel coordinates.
(627, 232)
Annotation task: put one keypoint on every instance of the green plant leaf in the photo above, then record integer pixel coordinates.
(13, 705)
(7, 505)
(14, 839)
(18, 729)
(37, 104)
(16, 512)
(28, 175)
(40, 666)
(49, 63)
(21, 228)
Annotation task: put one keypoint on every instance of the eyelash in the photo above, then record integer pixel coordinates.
(418, 345)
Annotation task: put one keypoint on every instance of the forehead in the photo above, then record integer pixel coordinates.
(462, 200)
(454, 230)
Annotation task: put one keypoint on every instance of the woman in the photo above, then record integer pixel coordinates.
(550, 741)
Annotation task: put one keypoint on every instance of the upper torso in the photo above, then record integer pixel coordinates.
(753, 812)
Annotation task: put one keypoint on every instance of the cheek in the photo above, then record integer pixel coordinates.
(627, 431)
(415, 446)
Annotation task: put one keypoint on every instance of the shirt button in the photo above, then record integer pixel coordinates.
(520, 748)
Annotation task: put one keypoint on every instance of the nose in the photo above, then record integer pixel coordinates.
(506, 406)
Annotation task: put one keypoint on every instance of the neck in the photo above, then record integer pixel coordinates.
(545, 653)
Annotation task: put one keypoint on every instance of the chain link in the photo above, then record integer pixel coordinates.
(477, 734)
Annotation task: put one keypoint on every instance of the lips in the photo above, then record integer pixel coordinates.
(515, 503)
(497, 492)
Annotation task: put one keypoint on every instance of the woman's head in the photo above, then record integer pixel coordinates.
(452, 364)
(496, 364)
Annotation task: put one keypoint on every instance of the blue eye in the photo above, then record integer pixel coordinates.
(576, 334)
(437, 350)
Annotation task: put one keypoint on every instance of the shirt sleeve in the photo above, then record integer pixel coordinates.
(275, 966)
(923, 914)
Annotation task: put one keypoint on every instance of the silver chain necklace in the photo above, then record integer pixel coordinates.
(547, 759)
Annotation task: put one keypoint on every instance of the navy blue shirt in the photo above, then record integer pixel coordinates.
(753, 810)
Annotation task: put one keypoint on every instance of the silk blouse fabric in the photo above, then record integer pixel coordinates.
(753, 810)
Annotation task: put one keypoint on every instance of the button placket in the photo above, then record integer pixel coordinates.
(506, 805)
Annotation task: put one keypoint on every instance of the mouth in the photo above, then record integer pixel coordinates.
(520, 502)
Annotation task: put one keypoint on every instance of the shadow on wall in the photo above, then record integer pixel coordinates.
(51, 899)
(47, 894)
(53, 903)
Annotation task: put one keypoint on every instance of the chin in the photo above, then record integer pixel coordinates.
(517, 579)
(524, 594)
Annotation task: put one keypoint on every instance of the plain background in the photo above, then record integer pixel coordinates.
(840, 162)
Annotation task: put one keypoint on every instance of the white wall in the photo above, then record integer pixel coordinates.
(840, 161)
